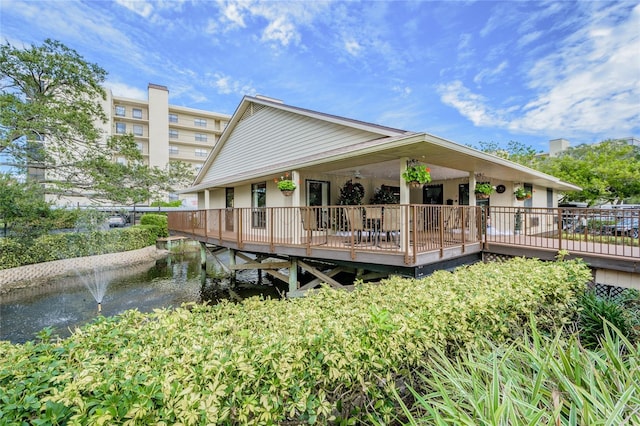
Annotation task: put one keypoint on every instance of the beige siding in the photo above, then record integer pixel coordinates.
(271, 136)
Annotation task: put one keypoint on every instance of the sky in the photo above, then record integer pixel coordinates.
(467, 71)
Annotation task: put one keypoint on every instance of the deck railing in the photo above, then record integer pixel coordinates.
(401, 229)
(412, 230)
(612, 232)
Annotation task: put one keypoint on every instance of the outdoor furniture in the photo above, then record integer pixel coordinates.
(311, 223)
(391, 223)
(373, 219)
(355, 223)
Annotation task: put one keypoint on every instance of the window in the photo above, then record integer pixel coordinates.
(258, 204)
(140, 147)
(173, 133)
(136, 113)
(121, 128)
(201, 137)
(120, 110)
(121, 160)
(173, 118)
(201, 152)
(137, 130)
(200, 122)
(173, 149)
(529, 201)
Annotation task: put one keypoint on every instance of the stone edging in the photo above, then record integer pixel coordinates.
(33, 275)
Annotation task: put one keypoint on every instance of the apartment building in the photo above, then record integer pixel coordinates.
(162, 131)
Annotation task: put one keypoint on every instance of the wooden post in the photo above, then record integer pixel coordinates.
(293, 275)
(203, 256)
(232, 264)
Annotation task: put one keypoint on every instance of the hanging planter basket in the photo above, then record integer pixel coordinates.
(287, 193)
(415, 184)
(481, 196)
(521, 198)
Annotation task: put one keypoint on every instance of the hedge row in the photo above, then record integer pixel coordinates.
(333, 356)
(14, 253)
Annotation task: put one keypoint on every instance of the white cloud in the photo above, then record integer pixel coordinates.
(226, 85)
(281, 30)
(470, 105)
(142, 8)
(490, 73)
(352, 47)
(233, 12)
(125, 91)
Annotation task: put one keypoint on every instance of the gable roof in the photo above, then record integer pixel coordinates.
(265, 136)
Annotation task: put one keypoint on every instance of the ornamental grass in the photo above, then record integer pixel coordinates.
(332, 357)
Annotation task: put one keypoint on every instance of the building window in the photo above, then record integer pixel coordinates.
(121, 128)
(201, 137)
(137, 130)
(136, 113)
(201, 152)
(173, 149)
(258, 204)
(140, 146)
(120, 111)
(121, 160)
(529, 201)
(173, 118)
(200, 122)
(173, 133)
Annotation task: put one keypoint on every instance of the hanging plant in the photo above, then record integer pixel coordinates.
(521, 194)
(285, 184)
(417, 174)
(483, 190)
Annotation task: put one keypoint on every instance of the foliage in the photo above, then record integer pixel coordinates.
(596, 312)
(417, 173)
(23, 208)
(521, 193)
(49, 247)
(384, 195)
(484, 188)
(514, 151)
(50, 106)
(176, 203)
(538, 380)
(284, 183)
(158, 220)
(332, 357)
(351, 194)
(607, 172)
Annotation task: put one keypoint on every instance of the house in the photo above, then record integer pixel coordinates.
(322, 228)
(266, 138)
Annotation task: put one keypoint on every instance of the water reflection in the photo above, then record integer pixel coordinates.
(66, 303)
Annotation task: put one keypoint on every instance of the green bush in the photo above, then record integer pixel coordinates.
(595, 312)
(334, 356)
(158, 220)
(539, 380)
(69, 245)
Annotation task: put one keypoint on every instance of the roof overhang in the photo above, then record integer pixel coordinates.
(445, 157)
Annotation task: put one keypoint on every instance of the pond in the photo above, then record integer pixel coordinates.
(66, 303)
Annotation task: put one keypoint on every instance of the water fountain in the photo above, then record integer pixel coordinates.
(97, 283)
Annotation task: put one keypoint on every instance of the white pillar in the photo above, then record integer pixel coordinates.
(472, 187)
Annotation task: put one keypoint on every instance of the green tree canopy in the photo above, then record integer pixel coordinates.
(51, 107)
(607, 172)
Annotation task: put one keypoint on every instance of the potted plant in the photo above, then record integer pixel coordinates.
(417, 175)
(483, 190)
(521, 194)
(286, 185)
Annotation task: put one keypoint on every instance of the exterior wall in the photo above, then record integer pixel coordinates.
(268, 137)
(158, 126)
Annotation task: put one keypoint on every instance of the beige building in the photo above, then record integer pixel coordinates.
(162, 131)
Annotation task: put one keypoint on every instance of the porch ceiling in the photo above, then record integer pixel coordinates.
(445, 162)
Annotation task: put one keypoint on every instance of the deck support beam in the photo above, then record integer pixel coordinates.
(293, 274)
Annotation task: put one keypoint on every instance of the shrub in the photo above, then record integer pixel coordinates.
(68, 245)
(595, 312)
(158, 220)
(334, 356)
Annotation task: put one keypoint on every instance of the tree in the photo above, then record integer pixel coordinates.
(50, 106)
(607, 172)
(515, 151)
(22, 208)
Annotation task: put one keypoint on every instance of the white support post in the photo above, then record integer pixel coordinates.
(472, 188)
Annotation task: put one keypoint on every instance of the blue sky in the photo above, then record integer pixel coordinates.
(467, 71)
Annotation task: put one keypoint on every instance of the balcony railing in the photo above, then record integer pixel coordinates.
(412, 230)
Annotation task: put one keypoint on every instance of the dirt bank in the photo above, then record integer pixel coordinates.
(34, 275)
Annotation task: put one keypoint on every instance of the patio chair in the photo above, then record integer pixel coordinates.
(391, 223)
(310, 223)
(355, 222)
(373, 222)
